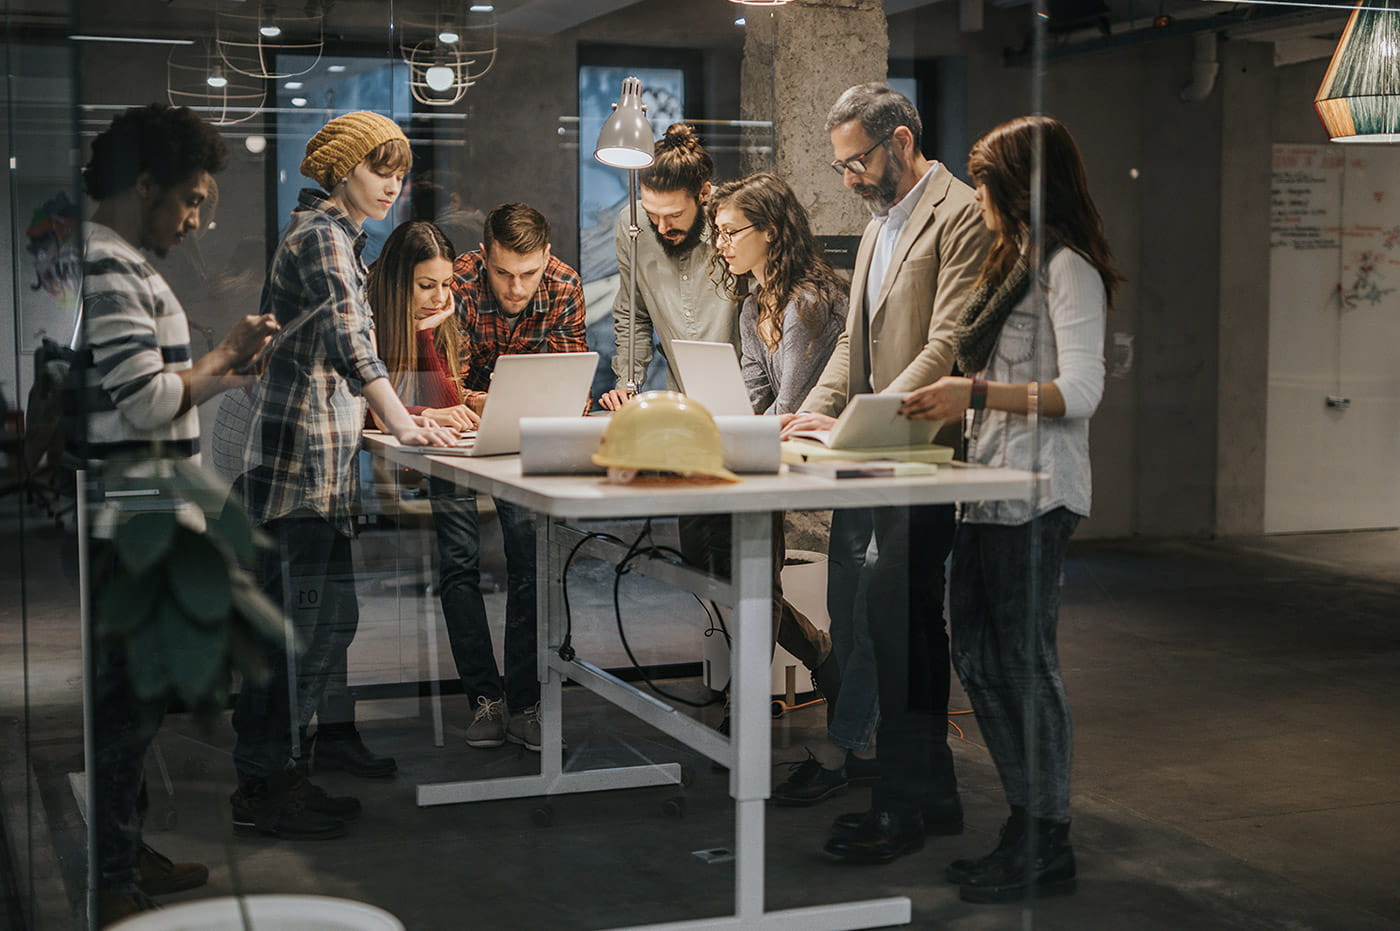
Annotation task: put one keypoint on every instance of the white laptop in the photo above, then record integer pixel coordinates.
(546, 384)
(709, 373)
(873, 421)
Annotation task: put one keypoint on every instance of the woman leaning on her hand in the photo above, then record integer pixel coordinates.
(1026, 357)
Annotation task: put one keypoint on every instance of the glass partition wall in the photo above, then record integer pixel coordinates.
(1116, 250)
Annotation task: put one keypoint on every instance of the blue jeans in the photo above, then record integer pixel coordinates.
(309, 572)
(464, 610)
(1005, 601)
(856, 712)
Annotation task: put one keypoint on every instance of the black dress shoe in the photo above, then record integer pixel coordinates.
(809, 784)
(1015, 876)
(882, 836)
(942, 818)
(338, 746)
(860, 771)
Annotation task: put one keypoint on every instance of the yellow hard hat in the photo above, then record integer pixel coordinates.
(664, 431)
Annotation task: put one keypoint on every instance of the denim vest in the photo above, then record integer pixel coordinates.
(1026, 351)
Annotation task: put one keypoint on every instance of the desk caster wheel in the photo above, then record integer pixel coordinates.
(543, 816)
(673, 807)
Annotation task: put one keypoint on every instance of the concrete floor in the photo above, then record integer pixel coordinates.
(1236, 754)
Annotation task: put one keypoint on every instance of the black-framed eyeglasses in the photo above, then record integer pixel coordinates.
(856, 163)
(728, 235)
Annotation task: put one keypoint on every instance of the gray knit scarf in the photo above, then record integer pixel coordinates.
(981, 321)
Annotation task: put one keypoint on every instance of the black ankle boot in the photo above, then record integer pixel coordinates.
(338, 746)
(1013, 876)
(1013, 836)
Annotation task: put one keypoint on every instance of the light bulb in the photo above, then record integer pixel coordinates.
(216, 80)
(298, 101)
(439, 77)
(448, 37)
(271, 30)
(335, 69)
(255, 144)
(482, 8)
(294, 85)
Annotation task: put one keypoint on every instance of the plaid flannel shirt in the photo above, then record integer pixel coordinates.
(552, 323)
(307, 412)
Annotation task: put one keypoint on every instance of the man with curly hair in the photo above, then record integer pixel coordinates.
(151, 171)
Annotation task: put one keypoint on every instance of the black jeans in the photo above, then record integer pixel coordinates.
(309, 572)
(1004, 648)
(464, 610)
(905, 608)
(123, 728)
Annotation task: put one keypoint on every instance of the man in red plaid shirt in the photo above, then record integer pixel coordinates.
(513, 298)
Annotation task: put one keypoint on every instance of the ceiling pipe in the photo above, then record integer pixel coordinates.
(1205, 67)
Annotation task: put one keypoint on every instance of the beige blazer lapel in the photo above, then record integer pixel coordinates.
(934, 193)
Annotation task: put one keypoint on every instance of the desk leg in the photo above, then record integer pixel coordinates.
(749, 720)
(748, 777)
(549, 614)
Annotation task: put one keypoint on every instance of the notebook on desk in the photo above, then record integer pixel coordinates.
(546, 384)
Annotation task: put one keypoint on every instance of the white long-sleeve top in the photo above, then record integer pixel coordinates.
(1061, 342)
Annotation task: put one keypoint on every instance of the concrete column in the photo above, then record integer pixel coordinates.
(1247, 85)
(798, 58)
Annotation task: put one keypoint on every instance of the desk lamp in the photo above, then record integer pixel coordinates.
(625, 141)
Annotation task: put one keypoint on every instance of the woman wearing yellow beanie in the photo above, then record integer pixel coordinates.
(300, 480)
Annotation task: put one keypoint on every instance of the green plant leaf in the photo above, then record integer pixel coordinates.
(197, 484)
(146, 658)
(142, 539)
(238, 533)
(198, 574)
(194, 654)
(127, 601)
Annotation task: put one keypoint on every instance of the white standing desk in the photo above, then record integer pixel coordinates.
(746, 752)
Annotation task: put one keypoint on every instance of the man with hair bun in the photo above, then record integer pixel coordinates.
(677, 298)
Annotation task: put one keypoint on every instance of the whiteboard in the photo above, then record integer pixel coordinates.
(1334, 330)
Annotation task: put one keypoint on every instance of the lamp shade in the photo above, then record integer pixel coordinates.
(625, 140)
(1359, 100)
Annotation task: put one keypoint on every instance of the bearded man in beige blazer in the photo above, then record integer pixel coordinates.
(917, 262)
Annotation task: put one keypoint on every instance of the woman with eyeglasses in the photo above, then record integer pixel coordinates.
(794, 309)
(1035, 374)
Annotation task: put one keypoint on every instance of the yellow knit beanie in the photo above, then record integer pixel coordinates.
(343, 143)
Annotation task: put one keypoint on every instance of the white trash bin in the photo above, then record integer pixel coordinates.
(265, 913)
(804, 586)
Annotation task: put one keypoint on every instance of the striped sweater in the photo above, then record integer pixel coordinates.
(135, 338)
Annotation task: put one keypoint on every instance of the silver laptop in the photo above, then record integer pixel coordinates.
(709, 373)
(873, 421)
(546, 384)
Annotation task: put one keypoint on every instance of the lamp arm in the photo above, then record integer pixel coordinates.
(633, 230)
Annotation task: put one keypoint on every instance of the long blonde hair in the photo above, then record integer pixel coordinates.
(390, 286)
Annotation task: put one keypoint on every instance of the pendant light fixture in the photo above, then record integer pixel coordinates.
(1359, 100)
